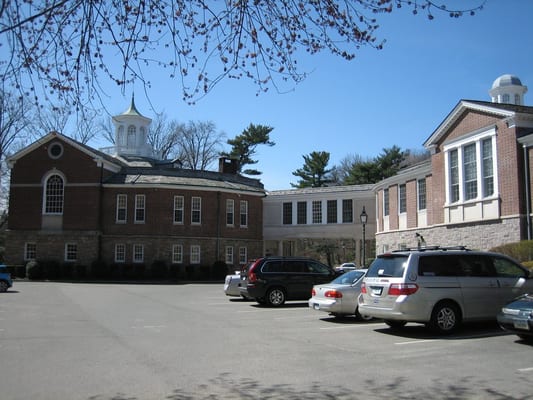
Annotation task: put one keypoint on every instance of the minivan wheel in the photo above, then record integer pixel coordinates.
(393, 324)
(445, 318)
(275, 297)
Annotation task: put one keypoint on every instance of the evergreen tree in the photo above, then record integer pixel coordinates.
(314, 172)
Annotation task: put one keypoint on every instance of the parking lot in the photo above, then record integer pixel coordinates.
(122, 341)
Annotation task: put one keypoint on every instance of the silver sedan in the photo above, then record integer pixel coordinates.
(339, 297)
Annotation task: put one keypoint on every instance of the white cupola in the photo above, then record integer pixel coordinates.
(508, 89)
(131, 132)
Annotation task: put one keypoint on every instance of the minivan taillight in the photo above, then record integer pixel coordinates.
(398, 289)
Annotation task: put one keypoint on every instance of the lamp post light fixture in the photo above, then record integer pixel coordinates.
(363, 218)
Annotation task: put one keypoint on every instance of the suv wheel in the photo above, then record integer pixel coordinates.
(445, 318)
(3, 286)
(275, 297)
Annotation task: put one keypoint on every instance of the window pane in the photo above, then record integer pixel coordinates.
(138, 253)
(301, 217)
(177, 254)
(139, 207)
(229, 255)
(347, 211)
(470, 171)
(30, 251)
(386, 202)
(244, 213)
(317, 212)
(332, 211)
(120, 253)
(287, 213)
(195, 254)
(421, 194)
(178, 209)
(454, 176)
(488, 168)
(122, 201)
(71, 252)
(196, 207)
(402, 199)
(54, 195)
(229, 212)
(243, 255)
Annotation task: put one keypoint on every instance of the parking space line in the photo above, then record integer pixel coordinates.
(329, 328)
(416, 342)
(525, 369)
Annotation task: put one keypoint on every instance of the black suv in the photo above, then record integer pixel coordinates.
(272, 280)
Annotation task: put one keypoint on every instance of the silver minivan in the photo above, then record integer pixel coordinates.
(441, 287)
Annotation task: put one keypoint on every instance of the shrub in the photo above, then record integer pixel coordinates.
(51, 269)
(158, 269)
(220, 270)
(520, 251)
(99, 269)
(34, 270)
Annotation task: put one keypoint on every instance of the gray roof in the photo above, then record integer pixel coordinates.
(323, 189)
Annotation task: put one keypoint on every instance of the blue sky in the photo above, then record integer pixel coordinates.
(394, 96)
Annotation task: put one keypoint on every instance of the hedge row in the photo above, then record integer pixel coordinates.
(53, 270)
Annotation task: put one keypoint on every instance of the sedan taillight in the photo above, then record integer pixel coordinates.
(335, 294)
(363, 288)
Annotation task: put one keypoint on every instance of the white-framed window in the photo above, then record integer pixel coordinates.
(195, 254)
(178, 209)
(138, 253)
(243, 255)
(71, 252)
(287, 213)
(177, 254)
(229, 255)
(402, 198)
(470, 166)
(122, 208)
(120, 252)
(385, 202)
(243, 213)
(54, 195)
(331, 211)
(421, 194)
(230, 212)
(347, 211)
(196, 210)
(316, 208)
(30, 251)
(140, 203)
(301, 212)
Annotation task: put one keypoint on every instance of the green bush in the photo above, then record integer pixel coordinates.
(220, 270)
(520, 251)
(34, 270)
(158, 269)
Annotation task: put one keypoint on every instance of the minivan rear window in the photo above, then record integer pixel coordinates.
(387, 265)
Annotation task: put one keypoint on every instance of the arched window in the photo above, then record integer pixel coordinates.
(120, 139)
(131, 136)
(53, 197)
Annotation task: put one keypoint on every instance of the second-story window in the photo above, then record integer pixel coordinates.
(287, 213)
(196, 210)
(122, 207)
(301, 213)
(421, 194)
(230, 212)
(54, 195)
(244, 213)
(317, 212)
(402, 199)
(178, 209)
(347, 211)
(140, 200)
(332, 211)
(385, 202)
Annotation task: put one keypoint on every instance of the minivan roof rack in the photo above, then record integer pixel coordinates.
(430, 248)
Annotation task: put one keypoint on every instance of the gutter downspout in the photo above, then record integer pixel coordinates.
(528, 198)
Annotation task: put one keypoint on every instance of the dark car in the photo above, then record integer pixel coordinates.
(517, 317)
(273, 280)
(5, 279)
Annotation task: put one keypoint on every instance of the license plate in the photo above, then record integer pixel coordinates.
(316, 306)
(521, 325)
(377, 291)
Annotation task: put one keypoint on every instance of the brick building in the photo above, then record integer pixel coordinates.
(75, 204)
(476, 189)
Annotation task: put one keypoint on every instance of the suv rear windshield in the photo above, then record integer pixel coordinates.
(388, 265)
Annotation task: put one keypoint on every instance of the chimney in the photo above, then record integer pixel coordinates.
(228, 165)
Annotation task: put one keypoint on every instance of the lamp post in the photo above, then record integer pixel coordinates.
(363, 218)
